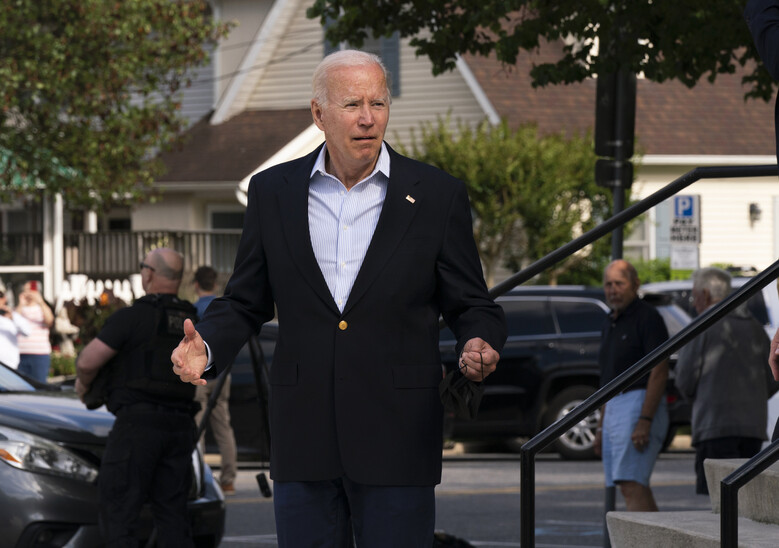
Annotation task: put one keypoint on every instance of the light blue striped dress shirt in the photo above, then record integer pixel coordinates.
(342, 222)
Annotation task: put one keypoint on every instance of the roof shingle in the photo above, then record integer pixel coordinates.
(670, 118)
(231, 150)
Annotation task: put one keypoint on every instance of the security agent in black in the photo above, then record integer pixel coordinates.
(149, 448)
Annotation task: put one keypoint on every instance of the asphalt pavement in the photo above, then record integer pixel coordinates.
(478, 499)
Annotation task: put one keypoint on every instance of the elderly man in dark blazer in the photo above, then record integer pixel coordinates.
(358, 250)
(763, 20)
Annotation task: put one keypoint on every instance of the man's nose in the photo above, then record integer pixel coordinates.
(366, 116)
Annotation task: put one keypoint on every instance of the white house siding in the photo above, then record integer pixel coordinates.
(287, 82)
(424, 98)
(198, 99)
(727, 235)
(247, 15)
(181, 213)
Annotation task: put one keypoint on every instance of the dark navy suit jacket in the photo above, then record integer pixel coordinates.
(356, 393)
(763, 19)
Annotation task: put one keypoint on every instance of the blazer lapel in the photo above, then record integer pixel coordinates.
(400, 206)
(293, 204)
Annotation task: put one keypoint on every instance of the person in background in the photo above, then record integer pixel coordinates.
(12, 324)
(148, 456)
(723, 372)
(762, 18)
(633, 423)
(35, 347)
(219, 419)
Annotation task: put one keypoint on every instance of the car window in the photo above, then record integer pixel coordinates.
(12, 382)
(529, 317)
(675, 318)
(578, 316)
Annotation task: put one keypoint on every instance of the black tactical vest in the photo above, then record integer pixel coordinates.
(147, 368)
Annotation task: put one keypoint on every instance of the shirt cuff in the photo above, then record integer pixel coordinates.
(210, 362)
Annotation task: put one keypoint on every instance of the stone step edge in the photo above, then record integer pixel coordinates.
(755, 499)
(697, 528)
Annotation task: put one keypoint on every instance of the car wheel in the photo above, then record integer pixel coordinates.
(576, 443)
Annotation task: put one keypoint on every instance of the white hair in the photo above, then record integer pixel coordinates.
(344, 58)
(716, 280)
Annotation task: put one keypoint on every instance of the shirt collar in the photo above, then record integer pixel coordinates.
(382, 165)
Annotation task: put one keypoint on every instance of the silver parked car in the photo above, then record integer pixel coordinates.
(50, 450)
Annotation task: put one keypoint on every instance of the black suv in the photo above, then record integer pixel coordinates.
(549, 365)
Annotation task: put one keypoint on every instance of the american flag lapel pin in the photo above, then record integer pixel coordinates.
(410, 199)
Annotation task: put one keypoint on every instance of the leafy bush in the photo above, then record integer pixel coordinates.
(62, 365)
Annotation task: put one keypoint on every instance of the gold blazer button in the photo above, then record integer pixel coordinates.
(342, 325)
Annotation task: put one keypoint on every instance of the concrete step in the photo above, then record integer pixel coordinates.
(756, 500)
(683, 530)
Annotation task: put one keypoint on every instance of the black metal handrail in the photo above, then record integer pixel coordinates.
(640, 368)
(730, 485)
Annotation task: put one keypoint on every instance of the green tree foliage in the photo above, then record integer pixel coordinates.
(664, 39)
(89, 91)
(530, 193)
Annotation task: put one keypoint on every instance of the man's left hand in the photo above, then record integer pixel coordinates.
(640, 435)
(478, 359)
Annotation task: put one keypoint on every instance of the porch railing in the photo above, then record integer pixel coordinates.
(21, 249)
(106, 255)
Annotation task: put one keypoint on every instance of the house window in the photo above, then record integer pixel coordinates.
(119, 225)
(637, 243)
(227, 219)
(386, 48)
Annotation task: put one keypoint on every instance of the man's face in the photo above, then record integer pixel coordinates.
(353, 119)
(619, 288)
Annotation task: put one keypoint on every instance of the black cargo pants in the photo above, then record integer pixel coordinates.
(147, 459)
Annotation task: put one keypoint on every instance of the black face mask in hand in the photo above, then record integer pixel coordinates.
(461, 395)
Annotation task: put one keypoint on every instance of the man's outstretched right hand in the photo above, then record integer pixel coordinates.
(190, 357)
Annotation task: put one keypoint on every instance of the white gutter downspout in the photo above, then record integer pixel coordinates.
(478, 91)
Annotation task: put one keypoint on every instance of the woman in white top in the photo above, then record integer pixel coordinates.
(12, 324)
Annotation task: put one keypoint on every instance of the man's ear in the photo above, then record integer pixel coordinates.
(316, 114)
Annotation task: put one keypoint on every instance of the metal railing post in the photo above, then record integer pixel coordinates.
(610, 504)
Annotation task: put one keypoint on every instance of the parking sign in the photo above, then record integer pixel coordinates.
(686, 224)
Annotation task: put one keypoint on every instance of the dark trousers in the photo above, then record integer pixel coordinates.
(732, 447)
(147, 459)
(325, 513)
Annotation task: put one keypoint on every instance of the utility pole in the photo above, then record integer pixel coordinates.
(615, 121)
